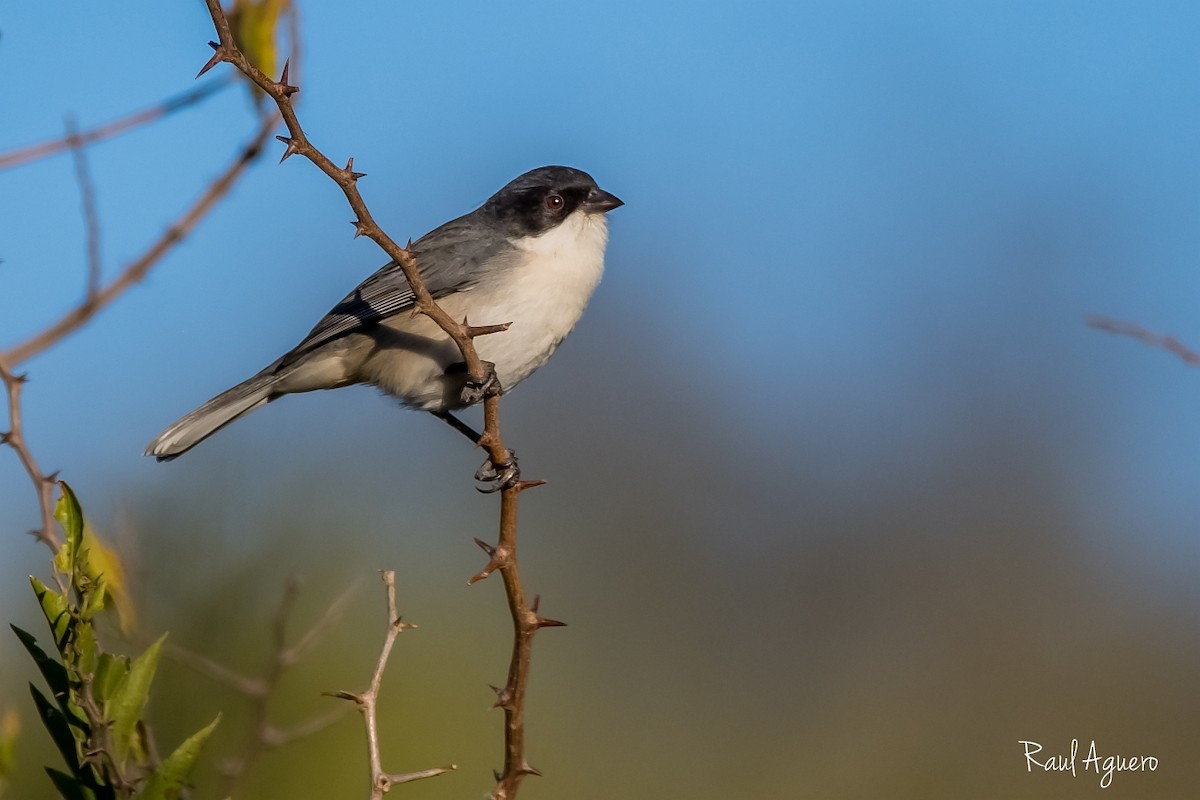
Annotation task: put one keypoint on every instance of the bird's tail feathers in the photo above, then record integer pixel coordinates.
(193, 428)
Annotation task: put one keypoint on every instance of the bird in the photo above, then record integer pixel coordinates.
(530, 257)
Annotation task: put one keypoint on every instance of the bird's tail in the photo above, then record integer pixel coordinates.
(193, 428)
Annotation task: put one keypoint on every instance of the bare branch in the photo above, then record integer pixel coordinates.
(15, 438)
(263, 735)
(91, 217)
(136, 270)
(321, 627)
(115, 128)
(297, 142)
(504, 557)
(1135, 331)
(367, 703)
(278, 737)
(253, 688)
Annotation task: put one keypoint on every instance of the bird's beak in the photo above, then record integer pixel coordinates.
(599, 201)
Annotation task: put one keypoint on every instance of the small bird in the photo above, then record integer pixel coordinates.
(530, 256)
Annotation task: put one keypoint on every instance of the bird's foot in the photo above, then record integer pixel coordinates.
(500, 476)
(475, 391)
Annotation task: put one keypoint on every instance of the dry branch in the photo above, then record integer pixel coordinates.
(91, 215)
(14, 437)
(1135, 331)
(258, 690)
(136, 270)
(114, 128)
(503, 556)
(367, 702)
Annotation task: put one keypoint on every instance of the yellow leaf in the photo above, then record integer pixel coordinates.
(255, 25)
(105, 564)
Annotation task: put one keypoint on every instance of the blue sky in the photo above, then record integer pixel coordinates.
(849, 218)
(833, 423)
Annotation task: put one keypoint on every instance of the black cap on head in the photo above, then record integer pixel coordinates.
(542, 198)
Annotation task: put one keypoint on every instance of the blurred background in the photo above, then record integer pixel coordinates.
(845, 499)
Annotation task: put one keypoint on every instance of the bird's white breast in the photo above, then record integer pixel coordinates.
(543, 297)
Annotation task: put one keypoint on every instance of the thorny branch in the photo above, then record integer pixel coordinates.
(136, 270)
(97, 297)
(1133, 330)
(263, 735)
(367, 703)
(14, 437)
(503, 556)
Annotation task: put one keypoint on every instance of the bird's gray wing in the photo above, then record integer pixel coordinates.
(448, 258)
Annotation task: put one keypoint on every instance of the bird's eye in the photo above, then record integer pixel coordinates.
(554, 202)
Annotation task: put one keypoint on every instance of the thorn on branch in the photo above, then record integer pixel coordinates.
(360, 228)
(220, 55)
(388, 781)
(473, 331)
(540, 621)
(285, 88)
(351, 174)
(483, 573)
(353, 697)
(496, 559)
(290, 150)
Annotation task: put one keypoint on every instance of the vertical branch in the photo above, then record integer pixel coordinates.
(15, 438)
(91, 217)
(367, 702)
(503, 556)
(526, 622)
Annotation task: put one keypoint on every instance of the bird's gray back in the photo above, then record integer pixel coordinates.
(448, 258)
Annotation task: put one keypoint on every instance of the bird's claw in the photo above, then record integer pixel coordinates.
(476, 391)
(500, 476)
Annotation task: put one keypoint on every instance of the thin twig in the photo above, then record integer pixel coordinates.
(245, 685)
(1131, 329)
(14, 437)
(114, 128)
(91, 216)
(525, 619)
(263, 735)
(322, 626)
(367, 703)
(136, 270)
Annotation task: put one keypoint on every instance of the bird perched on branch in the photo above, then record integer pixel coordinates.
(529, 257)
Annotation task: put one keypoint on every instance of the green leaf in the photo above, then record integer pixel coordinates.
(95, 596)
(167, 781)
(54, 673)
(128, 701)
(110, 670)
(54, 606)
(85, 650)
(60, 732)
(70, 516)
